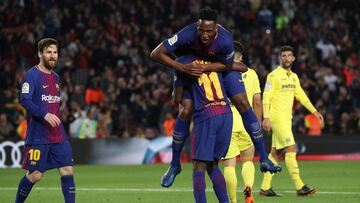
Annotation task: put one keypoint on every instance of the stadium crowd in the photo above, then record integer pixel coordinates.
(111, 87)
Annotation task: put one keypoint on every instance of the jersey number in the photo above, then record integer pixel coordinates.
(34, 154)
(207, 80)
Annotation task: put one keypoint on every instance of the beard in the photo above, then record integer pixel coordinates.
(50, 64)
(287, 65)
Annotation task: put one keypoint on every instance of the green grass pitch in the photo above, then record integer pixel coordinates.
(336, 181)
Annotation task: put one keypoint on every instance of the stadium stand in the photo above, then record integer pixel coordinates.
(108, 76)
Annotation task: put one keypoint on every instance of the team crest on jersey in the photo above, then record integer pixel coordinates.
(25, 88)
(173, 40)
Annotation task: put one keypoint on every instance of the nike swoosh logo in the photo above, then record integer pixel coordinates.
(45, 86)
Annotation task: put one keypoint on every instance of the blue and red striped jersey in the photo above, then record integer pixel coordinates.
(40, 94)
(207, 91)
(186, 41)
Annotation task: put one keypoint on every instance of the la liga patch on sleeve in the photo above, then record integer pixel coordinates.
(173, 40)
(25, 88)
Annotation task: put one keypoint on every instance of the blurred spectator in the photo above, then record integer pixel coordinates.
(313, 125)
(6, 128)
(104, 49)
(94, 94)
(87, 127)
(168, 124)
(21, 128)
(104, 123)
(326, 47)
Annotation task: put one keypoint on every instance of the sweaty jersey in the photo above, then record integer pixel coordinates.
(252, 87)
(40, 94)
(186, 41)
(281, 87)
(207, 92)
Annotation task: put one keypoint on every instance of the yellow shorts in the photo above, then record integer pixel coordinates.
(282, 135)
(240, 141)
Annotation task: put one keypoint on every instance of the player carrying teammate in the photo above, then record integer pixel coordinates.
(209, 41)
(212, 129)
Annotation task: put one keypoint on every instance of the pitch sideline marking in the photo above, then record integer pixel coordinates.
(162, 190)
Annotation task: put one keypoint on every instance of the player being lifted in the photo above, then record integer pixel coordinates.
(282, 86)
(241, 143)
(209, 41)
(46, 145)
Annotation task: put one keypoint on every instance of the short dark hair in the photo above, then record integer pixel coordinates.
(239, 47)
(46, 42)
(208, 14)
(287, 48)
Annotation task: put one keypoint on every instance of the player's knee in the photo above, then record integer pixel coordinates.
(35, 176)
(66, 171)
(240, 101)
(186, 111)
(247, 155)
(199, 166)
(186, 114)
(291, 148)
(230, 162)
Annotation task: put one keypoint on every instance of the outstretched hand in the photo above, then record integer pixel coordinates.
(268, 166)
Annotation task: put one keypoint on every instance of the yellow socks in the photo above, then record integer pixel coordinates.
(248, 173)
(266, 184)
(293, 168)
(231, 182)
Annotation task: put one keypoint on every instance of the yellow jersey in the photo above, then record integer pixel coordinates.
(281, 87)
(252, 87)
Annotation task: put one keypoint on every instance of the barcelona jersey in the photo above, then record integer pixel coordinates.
(40, 94)
(207, 92)
(186, 41)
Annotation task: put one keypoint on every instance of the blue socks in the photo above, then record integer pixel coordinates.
(23, 190)
(253, 128)
(67, 185)
(199, 187)
(181, 132)
(68, 188)
(219, 184)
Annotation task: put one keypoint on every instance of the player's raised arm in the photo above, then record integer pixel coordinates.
(162, 53)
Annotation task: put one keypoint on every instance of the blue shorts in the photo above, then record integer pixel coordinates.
(211, 138)
(180, 82)
(233, 83)
(44, 157)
